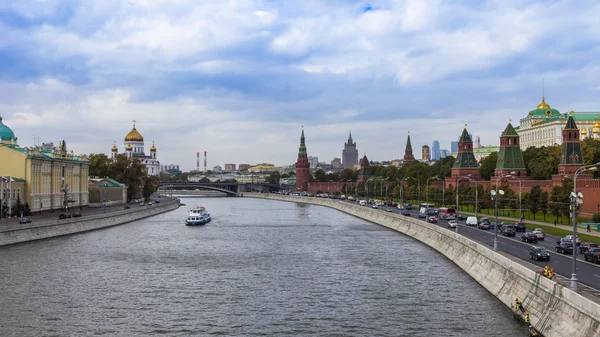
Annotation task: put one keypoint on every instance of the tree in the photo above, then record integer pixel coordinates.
(320, 176)
(150, 185)
(129, 171)
(18, 206)
(4, 210)
(596, 218)
(99, 165)
(26, 209)
(488, 165)
(273, 178)
(544, 203)
(534, 199)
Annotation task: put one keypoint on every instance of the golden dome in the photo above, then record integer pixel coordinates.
(596, 126)
(134, 135)
(128, 147)
(153, 148)
(583, 132)
(543, 105)
(114, 148)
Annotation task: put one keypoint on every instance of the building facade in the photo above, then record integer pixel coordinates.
(53, 178)
(243, 167)
(314, 162)
(336, 163)
(350, 153)
(425, 153)
(543, 126)
(134, 148)
(229, 167)
(106, 192)
(169, 167)
(302, 166)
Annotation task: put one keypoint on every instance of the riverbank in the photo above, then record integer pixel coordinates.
(555, 311)
(18, 233)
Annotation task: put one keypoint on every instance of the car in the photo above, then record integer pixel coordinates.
(24, 220)
(462, 217)
(388, 210)
(584, 247)
(471, 221)
(452, 224)
(127, 207)
(564, 247)
(422, 215)
(493, 224)
(400, 206)
(529, 237)
(508, 230)
(76, 214)
(409, 206)
(374, 206)
(432, 219)
(64, 215)
(570, 238)
(539, 253)
(592, 255)
(484, 225)
(142, 203)
(540, 234)
(406, 213)
(157, 202)
(520, 227)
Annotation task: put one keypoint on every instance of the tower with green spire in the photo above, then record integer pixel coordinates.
(510, 157)
(302, 166)
(571, 158)
(465, 162)
(408, 153)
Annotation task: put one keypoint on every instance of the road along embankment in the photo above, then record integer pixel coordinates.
(555, 311)
(55, 228)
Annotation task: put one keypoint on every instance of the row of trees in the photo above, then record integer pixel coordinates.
(129, 171)
(17, 208)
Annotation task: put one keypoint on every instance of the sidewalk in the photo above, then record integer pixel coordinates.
(541, 223)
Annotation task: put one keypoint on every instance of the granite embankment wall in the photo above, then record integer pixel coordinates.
(55, 228)
(554, 310)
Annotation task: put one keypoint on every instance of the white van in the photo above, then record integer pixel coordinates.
(471, 221)
(363, 203)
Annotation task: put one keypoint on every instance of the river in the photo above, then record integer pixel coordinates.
(260, 268)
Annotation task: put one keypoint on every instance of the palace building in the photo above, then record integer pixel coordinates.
(134, 148)
(48, 177)
(543, 126)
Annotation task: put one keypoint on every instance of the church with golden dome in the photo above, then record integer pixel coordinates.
(134, 148)
(543, 126)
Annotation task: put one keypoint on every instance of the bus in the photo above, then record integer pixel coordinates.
(427, 206)
(446, 213)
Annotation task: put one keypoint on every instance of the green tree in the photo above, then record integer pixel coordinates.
(596, 218)
(150, 185)
(129, 171)
(488, 165)
(26, 209)
(273, 178)
(544, 203)
(534, 199)
(320, 176)
(18, 206)
(99, 165)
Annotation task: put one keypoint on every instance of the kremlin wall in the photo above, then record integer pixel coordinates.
(510, 168)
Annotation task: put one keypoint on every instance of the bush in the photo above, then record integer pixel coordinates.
(596, 218)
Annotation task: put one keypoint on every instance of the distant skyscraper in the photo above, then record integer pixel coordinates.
(444, 153)
(454, 147)
(435, 150)
(476, 142)
(425, 153)
(349, 154)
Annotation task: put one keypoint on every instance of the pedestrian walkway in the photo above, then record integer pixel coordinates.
(594, 232)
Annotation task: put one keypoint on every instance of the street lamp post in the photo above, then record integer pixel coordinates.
(418, 189)
(496, 195)
(427, 187)
(577, 199)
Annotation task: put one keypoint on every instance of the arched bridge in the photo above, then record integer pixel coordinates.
(231, 189)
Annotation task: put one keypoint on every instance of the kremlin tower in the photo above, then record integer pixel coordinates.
(302, 166)
(510, 158)
(571, 158)
(408, 154)
(465, 162)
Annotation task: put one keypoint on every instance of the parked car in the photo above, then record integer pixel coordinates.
(539, 253)
(508, 230)
(592, 255)
(584, 247)
(452, 224)
(520, 227)
(529, 237)
(564, 247)
(432, 219)
(24, 220)
(76, 214)
(406, 213)
(64, 215)
(540, 234)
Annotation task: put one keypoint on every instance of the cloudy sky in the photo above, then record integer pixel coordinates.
(240, 78)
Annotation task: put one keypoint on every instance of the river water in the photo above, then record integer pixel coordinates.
(260, 268)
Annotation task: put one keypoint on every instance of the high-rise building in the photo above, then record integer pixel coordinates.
(302, 166)
(476, 142)
(314, 162)
(425, 153)
(349, 154)
(229, 167)
(336, 163)
(444, 153)
(243, 167)
(454, 147)
(435, 150)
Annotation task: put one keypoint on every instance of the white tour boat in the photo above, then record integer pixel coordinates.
(198, 216)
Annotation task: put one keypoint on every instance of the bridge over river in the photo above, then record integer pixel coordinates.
(228, 188)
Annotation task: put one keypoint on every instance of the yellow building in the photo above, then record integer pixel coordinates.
(53, 177)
